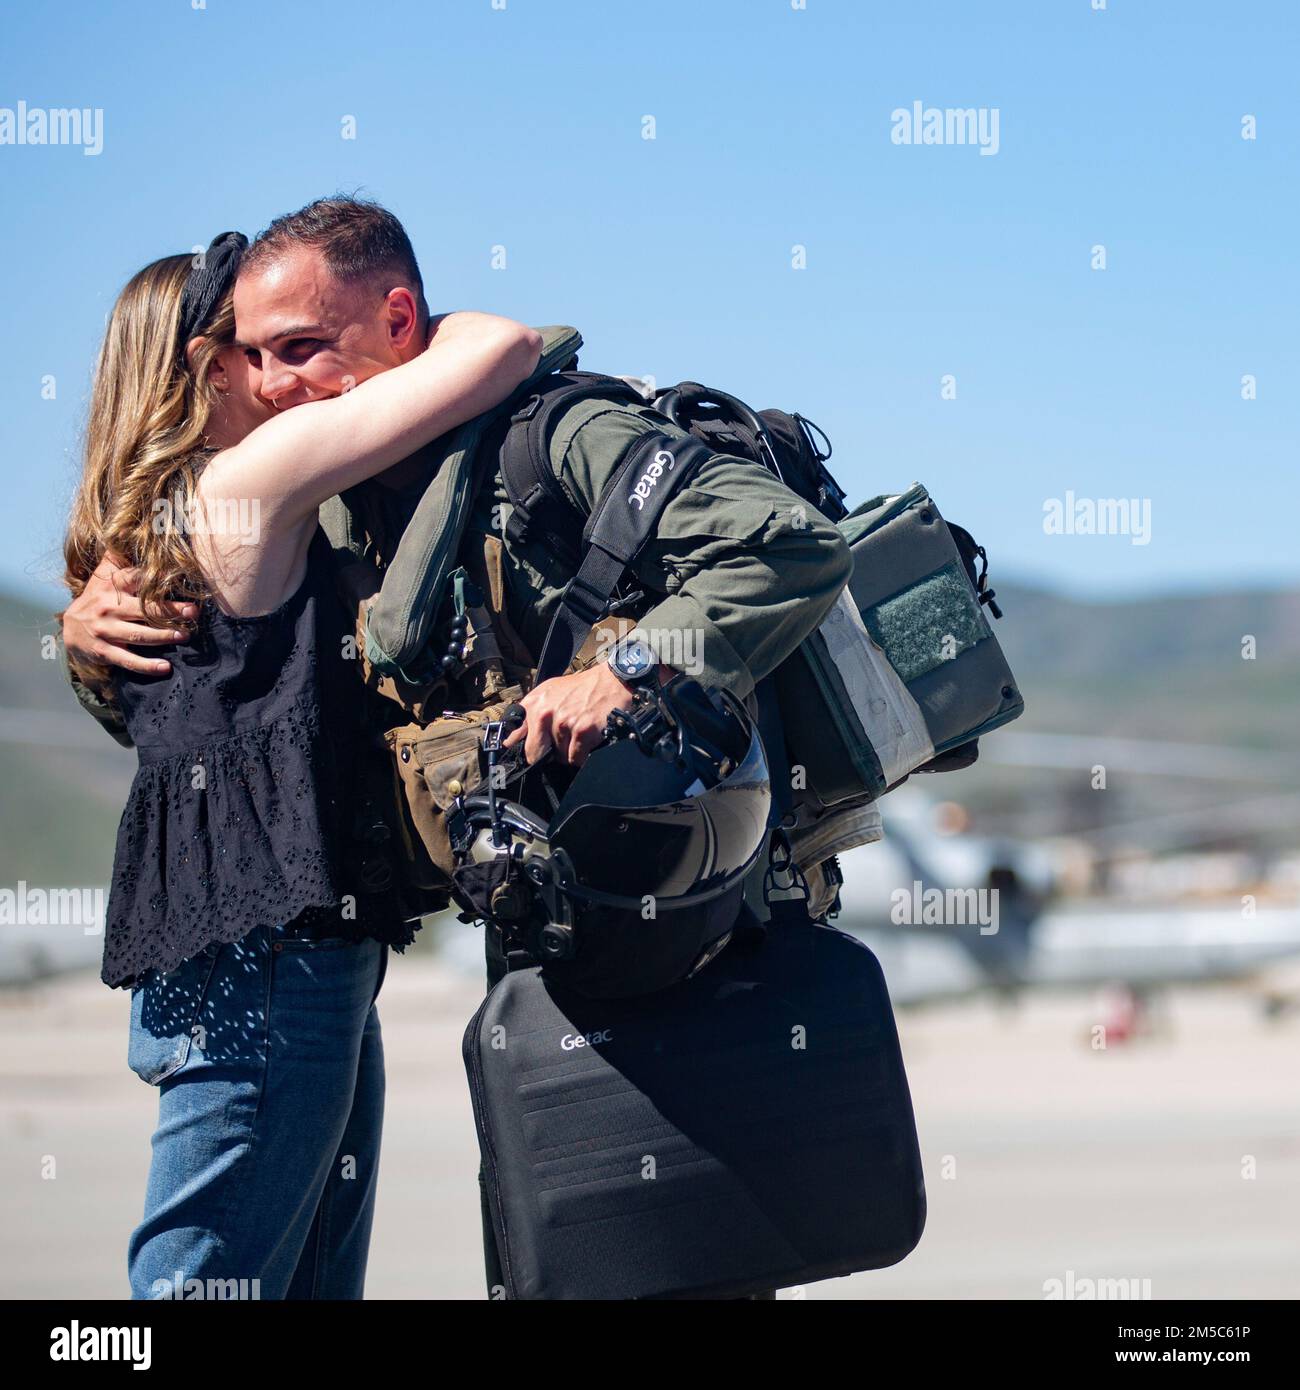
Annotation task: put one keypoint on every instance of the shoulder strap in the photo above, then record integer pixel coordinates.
(624, 519)
(538, 501)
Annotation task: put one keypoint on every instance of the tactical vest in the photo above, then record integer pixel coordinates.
(429, 733)
(428, 722)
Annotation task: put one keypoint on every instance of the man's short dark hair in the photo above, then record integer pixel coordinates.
(358, 239)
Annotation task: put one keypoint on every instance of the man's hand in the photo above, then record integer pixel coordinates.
(569, 713)
(98, 626)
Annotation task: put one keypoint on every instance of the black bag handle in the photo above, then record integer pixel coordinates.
(677, 402)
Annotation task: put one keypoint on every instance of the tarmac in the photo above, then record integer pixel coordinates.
(1172, 1158)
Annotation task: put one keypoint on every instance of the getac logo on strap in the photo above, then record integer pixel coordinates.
(568, 1042)
(663, 462)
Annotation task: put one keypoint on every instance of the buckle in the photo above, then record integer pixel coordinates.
(781, 865)
(526, 411)
(459, 831)
(521, 514)
(587, 603)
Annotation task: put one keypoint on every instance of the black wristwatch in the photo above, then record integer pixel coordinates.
(634, 661)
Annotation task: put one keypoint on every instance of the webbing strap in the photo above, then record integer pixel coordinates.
(624, 519)
(538, 501)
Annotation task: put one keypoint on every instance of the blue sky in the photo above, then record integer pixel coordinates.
(522, 127)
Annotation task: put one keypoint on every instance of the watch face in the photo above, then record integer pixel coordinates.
(633, 661)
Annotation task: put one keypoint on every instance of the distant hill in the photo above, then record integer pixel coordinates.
(1167, 668)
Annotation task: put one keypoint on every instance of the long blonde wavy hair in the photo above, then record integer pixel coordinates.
(149, 414)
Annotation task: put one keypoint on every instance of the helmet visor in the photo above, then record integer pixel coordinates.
(680, 843)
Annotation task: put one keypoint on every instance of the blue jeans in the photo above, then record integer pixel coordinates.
(269, 1065)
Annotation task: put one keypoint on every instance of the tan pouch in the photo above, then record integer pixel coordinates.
(435, 763)
(438, 760)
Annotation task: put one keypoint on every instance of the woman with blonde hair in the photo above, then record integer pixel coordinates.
(253, 954)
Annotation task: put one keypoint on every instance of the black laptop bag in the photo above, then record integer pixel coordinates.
(747, 1129)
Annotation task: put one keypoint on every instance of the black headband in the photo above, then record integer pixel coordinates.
(208, 284)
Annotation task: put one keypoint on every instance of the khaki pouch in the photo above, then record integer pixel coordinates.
(437, 760)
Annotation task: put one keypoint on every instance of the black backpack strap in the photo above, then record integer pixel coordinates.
(771, 730)
(538, 502)
(625, 517)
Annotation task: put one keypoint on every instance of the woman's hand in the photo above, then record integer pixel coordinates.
(107, 616)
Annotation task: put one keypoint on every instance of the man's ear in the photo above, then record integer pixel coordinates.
(403, 319)
(191, 349)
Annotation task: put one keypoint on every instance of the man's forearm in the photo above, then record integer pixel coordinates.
(740, 603)
(104, 713)
(748, 568)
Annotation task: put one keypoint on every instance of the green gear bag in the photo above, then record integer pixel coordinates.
(905, 672)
